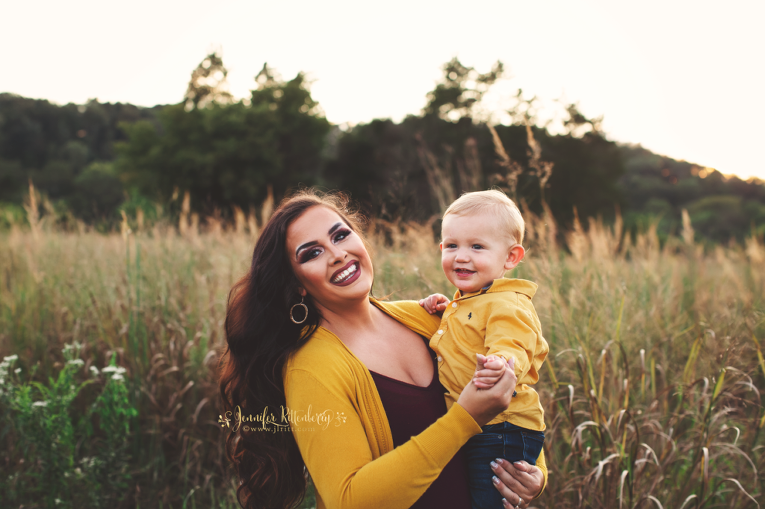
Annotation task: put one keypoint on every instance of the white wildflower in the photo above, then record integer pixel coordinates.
(10, 358)
(109, 369)
(2, 381)
(76, 362)
(40, 403)
(121, 371)
(117, 376)
(58, 501)
(17, 370)
(94, 370)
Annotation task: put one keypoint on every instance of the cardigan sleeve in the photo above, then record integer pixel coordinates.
(339, 459)
(542, 465)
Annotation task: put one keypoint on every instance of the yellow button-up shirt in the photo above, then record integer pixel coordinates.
(500, 321)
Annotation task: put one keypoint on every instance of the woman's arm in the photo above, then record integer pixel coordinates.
(339, 458)
(341, 463)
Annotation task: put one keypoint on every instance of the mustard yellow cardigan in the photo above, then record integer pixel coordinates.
(343, 434)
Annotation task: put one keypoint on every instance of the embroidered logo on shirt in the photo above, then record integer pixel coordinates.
(470, 315)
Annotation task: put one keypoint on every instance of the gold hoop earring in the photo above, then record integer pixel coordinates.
(292, 317)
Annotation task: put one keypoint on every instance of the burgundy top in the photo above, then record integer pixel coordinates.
(410, 410)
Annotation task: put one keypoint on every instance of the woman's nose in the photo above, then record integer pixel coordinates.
(337, 254)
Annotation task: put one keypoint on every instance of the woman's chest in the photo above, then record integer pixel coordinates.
(403, 356)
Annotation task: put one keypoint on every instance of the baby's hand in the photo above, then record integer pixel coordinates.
(490, 373)
(435, 303)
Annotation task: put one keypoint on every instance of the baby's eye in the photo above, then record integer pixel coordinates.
(477, 246)
(451, 246)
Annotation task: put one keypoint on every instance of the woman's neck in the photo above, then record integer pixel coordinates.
(359, 317)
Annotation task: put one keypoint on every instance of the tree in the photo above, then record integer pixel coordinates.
(228, 153)
(53, 145)
(208, 83)
(460, 90)
(98, 192)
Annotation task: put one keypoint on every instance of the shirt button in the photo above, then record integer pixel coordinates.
(440, 332)
(440, 358)
(454, 304)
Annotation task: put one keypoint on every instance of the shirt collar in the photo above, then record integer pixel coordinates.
(523, 286)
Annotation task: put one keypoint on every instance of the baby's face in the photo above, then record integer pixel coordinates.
(474, 250)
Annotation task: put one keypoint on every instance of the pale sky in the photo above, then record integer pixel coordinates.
(682, 78)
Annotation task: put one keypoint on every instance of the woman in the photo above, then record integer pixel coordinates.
(306, 339)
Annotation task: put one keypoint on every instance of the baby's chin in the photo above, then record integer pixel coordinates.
(466, 287)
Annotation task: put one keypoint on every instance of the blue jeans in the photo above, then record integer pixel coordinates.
(503, 440)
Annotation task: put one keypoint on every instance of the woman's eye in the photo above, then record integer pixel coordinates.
(309, 254)
(341, 235)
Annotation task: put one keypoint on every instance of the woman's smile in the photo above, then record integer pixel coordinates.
(346, 274)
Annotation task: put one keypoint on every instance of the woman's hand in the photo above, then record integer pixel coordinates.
(484, 404)
(518, 482)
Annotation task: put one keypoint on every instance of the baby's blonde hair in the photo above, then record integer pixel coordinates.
(493, 202)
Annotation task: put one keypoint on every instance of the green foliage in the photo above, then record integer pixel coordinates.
(12, 182)
(717, 216)
(208, 83)
(53, 145)
(460, 89)
(381, 165)
(98, 192)
(228, 154)
(11, 213)
(108, 467)
(54, 439)
(90, 161)
(721, 208)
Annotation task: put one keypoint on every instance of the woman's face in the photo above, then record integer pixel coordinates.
(328, 258)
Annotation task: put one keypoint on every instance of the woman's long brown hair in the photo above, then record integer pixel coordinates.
(261, 337)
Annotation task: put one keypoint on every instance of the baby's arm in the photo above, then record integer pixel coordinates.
(435, 303)
(514, 331)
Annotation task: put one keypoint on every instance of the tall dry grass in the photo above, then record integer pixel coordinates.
(651, 390)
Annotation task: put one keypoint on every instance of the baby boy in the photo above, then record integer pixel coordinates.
(491, 317)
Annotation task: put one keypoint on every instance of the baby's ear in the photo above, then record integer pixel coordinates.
(514, 256)
(441, 246)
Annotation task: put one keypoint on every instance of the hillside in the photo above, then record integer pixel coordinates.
(89, 161)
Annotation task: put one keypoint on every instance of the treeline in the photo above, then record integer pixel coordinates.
(91, 161)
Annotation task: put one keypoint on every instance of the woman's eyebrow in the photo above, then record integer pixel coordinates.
(334, 227)
(314, 242)
(303, 246)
